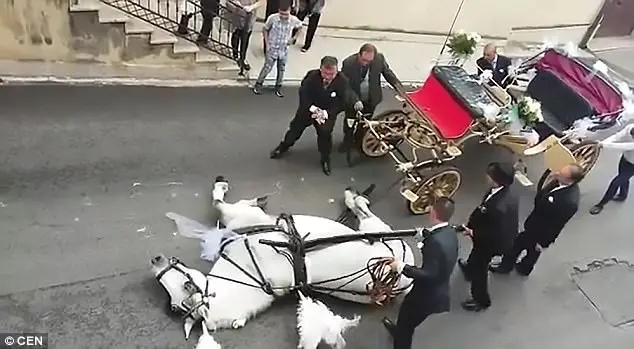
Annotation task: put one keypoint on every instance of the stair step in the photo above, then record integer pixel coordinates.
(135, 26)
(109, 14)
(85, 6)
(205, 56)
(161, 37)
(229, 68)
(184, 46)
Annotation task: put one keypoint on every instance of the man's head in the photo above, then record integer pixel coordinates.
(569, 174)
(489, 52)
(500, 174)
(328, 68)
(442, 210)
(284, 9)
(366, 54)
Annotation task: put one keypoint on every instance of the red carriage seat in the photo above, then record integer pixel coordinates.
(449, 99)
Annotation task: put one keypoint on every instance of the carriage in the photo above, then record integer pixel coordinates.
(453, 107)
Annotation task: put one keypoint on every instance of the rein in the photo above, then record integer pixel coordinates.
(380, 289)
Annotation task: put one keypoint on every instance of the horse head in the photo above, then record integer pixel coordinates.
(189, 291)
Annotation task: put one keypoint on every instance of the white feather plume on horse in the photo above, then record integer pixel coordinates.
(206, 341)
(315, 322)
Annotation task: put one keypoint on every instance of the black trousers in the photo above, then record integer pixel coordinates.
(209, 11)
(409, 317)
(619, 184)
(240, 44)
(478, 272)
(348, 132)
(313, 22)
(523, 241)
(301, 121)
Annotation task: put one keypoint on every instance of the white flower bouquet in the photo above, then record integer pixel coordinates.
(529, 111)
(462, 44)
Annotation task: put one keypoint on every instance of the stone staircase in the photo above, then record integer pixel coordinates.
(139, 41)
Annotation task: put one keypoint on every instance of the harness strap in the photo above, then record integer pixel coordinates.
(266, 286)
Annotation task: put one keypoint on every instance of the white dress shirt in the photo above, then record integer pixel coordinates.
(622, 140)
(400, 264)
(493, 192)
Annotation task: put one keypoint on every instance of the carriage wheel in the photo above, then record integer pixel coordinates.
(420, 135)
(442, 182)
(586, 153)
(370, 144)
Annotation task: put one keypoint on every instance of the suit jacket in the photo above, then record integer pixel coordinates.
(431, 281)
(551, 210)
(494, 222)
(500, 71)
(333, 98)
(352, 69)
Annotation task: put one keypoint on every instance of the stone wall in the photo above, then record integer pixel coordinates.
(34, 29)
(531, 20)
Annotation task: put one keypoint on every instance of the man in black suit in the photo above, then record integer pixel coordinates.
(430, 293)
(497, 64)
(364, 70)
(323, 94)
(492, 227)
(556, 202)
(208, 10)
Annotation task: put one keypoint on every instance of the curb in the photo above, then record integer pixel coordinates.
(34, 80)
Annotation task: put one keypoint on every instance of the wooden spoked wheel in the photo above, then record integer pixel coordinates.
(441, 183)
(420, 135)
(390, 128)
(586, 153)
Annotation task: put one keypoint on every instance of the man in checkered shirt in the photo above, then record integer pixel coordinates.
(277, 36)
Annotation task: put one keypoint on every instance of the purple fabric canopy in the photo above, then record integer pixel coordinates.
(602, 96)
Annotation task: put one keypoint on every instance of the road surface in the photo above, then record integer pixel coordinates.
(76, 236)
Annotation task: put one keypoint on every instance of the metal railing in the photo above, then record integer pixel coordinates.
(183, 18)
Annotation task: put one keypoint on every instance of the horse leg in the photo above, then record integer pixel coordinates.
(260, 202)
(221, 187)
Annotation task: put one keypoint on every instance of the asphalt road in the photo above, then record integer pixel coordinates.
(76, 237)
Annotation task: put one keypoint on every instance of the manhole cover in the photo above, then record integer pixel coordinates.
(609, 286)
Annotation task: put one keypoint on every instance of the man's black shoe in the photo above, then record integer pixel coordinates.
(464, 268)
(620, 198)
(325, 167)
(471, 305)
(278, 152)
(389, 326)
(498, 269)
(256, 90)
(278, 92)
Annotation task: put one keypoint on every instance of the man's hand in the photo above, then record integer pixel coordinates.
(358, 106)
(467, 231)
(396, 265)
(539, 248)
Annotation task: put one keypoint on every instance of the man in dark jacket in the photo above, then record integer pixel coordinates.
(364, 70)
(323, 94)
(430, 293)
(209, 10)
(556, 202)
(492, 227)
(497, 64)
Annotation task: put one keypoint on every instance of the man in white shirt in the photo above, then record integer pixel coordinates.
(620, 185)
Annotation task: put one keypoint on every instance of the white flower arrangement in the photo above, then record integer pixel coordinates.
(462, 44)
(529, 111)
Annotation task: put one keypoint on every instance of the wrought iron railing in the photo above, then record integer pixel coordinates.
(169, 16)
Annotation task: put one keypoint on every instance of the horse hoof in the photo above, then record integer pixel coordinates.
(262, 201)
(221, 179)
(238, 323)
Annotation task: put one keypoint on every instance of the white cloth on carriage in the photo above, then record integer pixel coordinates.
(210, 238)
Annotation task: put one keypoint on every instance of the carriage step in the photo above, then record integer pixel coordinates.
(409, 195)
(453, 151)
(521, 177)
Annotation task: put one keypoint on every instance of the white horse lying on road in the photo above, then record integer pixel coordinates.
(250, 274)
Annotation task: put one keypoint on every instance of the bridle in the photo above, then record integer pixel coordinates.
(382, 286)
(175, 264)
